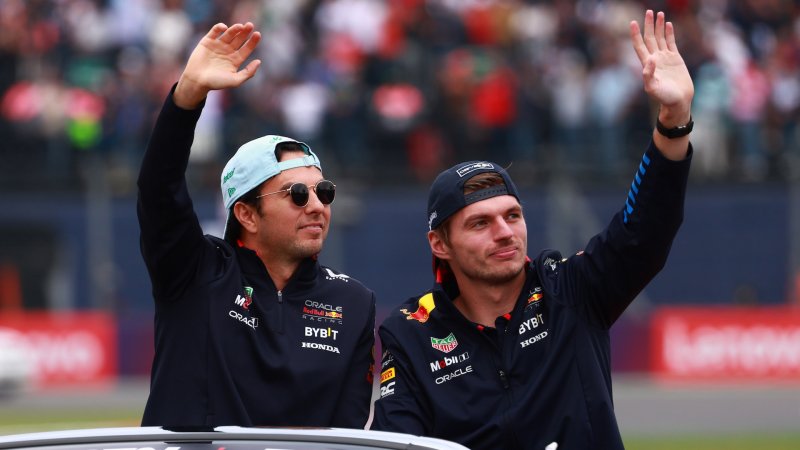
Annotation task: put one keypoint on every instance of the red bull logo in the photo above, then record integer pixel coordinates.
(535, 295)
(424, 308)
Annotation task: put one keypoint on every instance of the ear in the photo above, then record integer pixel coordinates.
(247, 217)
(439, 248)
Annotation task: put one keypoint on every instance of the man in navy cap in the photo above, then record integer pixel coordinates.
(506, 352)
(250, 330)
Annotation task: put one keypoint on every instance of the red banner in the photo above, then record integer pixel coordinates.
(56, 349)
(726, 344)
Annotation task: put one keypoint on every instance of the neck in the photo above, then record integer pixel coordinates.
(280, 272)
(483, 302)
(280, 269)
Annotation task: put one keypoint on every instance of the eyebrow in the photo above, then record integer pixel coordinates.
(469, 218)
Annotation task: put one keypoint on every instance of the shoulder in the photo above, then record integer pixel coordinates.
(554, 270)
(413, 311)
(342, 281)
(222, 245)
(549, 262)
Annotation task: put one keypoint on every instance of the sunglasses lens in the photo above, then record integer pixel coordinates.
(325, 190)
(299, 193)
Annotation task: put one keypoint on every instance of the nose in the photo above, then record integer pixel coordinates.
(314, 205)
(501, 229)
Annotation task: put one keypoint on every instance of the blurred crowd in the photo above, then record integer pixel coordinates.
(391, 91)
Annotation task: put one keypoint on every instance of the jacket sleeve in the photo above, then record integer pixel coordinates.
(356, 395)
(171, 236)
(621, 260)
(402, 405)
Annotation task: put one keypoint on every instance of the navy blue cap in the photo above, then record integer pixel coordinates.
(446, 196)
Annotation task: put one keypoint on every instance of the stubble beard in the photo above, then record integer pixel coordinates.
(306, 248)
(494, 275)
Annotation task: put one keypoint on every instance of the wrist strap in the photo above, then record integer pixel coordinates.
(676, 132)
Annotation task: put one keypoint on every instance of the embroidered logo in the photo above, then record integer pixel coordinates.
(446, 345)
(433, 217)
(424, 308)
(322, 312)
(331, 275)
(469, 168)
(534, 296)
(245, 301)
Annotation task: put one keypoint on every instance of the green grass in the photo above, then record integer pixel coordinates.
(750, 441)
(14, 421)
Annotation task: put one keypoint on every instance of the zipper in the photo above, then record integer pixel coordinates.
(280, 312)
(504, 379)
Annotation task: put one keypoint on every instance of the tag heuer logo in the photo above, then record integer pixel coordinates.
(445, 345)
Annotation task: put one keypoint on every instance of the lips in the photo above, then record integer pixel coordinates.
(505, 253)
(315, 226)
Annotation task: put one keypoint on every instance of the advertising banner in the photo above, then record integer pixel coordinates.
(48, 349)
(718, 344)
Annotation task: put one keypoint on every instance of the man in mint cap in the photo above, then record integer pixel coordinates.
(250, 329)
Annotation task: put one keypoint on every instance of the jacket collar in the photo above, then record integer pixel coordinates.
(445, 289)
(303, 278)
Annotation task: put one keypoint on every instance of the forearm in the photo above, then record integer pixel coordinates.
(170, 230)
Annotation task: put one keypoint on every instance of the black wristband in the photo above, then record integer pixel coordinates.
(676, 132)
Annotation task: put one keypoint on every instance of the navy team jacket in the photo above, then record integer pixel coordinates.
(229, 348)
(543, 374)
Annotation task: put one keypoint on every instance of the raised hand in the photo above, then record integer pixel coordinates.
(215, 63)
(666, 78)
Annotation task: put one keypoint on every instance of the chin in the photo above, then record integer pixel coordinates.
(309, 249)
(507, 274)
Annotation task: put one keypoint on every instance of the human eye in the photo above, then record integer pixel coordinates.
(514, 215)
(478, 224)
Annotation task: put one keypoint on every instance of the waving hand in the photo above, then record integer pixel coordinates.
(215, 63)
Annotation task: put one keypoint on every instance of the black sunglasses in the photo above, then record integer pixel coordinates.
(324, 189)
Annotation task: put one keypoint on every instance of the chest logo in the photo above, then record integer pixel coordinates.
(245, 301)
(446, 345)
(534, 297)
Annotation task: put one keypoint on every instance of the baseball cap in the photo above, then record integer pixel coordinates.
(446, 196)
(255, 162)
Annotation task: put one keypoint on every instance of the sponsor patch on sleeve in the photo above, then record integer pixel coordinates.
(387, 375)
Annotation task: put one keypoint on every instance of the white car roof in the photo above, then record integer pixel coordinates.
(94, 436)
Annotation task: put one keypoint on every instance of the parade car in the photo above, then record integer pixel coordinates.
(228, 438)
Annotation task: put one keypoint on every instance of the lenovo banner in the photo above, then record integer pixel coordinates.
(46, 349)
(726, 344)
